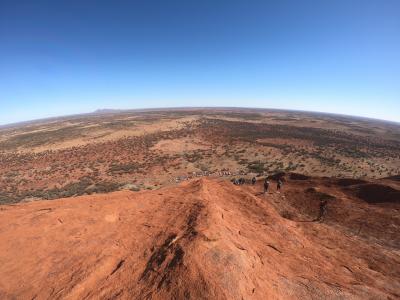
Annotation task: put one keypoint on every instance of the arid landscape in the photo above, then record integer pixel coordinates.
(138, 150)
(187, 150)
(143, 207)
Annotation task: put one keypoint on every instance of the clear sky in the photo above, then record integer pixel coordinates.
(66, 57)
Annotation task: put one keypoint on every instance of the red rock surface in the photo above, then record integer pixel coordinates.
(205, 239)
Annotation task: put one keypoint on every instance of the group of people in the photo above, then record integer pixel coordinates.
(241, 181)
(209, 174)
(278, 185)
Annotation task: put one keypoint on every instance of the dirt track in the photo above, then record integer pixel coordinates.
(204, 239)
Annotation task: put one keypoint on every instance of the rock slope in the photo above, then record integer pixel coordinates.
(319, 238)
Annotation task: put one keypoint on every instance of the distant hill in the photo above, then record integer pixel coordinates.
(107, 111)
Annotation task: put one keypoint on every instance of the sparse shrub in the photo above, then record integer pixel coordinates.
(104, 187)
(123, 168)
(256, 167)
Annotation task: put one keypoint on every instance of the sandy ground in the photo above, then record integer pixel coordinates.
(202, 239)
(181, 145)
(95, 135)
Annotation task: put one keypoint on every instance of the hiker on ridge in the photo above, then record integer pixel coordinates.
(266, 185)
(279, 184)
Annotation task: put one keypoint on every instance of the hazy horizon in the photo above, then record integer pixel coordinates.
(69, 57)
(109, 110)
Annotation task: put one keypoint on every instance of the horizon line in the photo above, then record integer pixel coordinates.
(104, 111)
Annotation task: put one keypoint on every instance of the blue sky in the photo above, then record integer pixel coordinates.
(66, 57)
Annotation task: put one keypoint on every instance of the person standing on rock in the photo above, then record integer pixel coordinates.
(266, 185)
(322, 209)
(279, 184)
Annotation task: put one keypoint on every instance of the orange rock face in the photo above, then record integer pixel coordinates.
(206, 239)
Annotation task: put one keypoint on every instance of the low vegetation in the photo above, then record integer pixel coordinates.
(33, 166)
